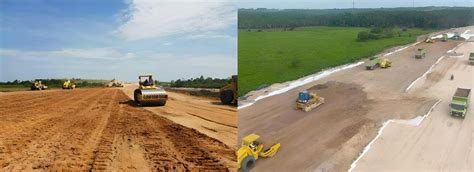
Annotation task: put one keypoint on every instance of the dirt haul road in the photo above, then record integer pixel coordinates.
(206, 115)
(358, 101)
(440, 142)
(98, 129)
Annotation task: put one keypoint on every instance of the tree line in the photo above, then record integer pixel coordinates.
(423, 17)
(200, 82)
(52, 83)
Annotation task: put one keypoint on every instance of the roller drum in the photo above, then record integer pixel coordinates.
(151, 96)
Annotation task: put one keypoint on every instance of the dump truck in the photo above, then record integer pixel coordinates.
(445, 37)
(460, 102)
(228, 93)
(250, 150)
(37, 85)
(456, 36)
(376, 62)
(68, 85)
(420, 53)
(307, 101)
(471, 58)
(148, 93)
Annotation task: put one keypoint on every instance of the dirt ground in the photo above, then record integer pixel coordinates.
(206, 115)
(98, 129)
(440, 142)
(358, 101)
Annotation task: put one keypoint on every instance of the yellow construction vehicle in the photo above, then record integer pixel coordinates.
(307, 101)
(250, 150)
(148, 93)
(228, 93)
(377, 62)
(68, 85)
(37, 85)
(385, 63)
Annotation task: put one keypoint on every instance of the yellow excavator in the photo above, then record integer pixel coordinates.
(228, 93)
(307, 101)
(148, 93)
(250, 150)
(68, 85)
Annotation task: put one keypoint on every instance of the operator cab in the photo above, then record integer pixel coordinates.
(146, 80)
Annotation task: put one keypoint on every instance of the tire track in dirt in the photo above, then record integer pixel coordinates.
(101, 129)
(30, 103)
(60, 139)
(165, 145)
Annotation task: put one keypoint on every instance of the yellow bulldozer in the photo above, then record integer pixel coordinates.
(250, 150)
(307, 101)
(68, 85)
(148, 93)
(37, 85)
(228, 93)
(377, 62)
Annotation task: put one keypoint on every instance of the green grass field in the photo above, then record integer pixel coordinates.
(279, 56)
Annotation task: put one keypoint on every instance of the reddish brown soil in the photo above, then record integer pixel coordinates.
(98, 129)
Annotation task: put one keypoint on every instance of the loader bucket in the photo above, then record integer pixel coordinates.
(270, 151)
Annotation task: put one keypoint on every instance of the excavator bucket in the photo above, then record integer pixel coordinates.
(270, 151)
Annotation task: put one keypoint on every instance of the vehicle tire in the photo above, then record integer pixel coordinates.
(247, 163)
(226, 97)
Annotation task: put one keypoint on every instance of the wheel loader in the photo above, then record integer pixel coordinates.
(68, 85)
(250, 150)
(148, 93)
(307, 101)
(37, 85)
(228, 93)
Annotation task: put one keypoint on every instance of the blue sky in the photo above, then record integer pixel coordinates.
(117, 39)
(329, 4)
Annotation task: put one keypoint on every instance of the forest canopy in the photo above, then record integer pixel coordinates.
(423, 17)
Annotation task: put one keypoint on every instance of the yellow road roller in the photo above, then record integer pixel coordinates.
(68, 85)
(250, 150)
(148, 93)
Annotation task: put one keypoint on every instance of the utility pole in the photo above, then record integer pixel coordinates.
(353, 4)
(413, 3)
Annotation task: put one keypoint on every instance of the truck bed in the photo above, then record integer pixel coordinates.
(462, 92)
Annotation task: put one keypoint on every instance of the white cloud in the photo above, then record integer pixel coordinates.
(146, 19)
(91, 53)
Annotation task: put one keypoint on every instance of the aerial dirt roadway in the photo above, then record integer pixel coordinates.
(206, 115)
(440, 142)
(98, 129)
(358, 101)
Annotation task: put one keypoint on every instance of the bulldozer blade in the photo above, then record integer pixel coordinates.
(270, 151)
